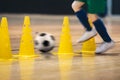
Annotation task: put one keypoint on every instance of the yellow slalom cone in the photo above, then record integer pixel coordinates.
(65, 46)
(5, 47)
(27, 44)
(4, 26)
(89, 47)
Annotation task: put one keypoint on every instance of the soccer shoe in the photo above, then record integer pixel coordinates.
(104, 47)
(87, 35)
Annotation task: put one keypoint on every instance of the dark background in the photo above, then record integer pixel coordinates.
(36, 6)
(116, 7)
(44, 6)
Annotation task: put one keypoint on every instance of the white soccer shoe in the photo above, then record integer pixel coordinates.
(104, 47)
(87, 35)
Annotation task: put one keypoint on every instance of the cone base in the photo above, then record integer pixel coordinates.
(88, 53)
(74, 54)
(11, 59)
(25, 56)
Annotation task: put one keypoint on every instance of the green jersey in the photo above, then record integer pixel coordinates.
(95, 6)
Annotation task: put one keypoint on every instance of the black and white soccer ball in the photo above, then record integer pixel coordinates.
(44, 42)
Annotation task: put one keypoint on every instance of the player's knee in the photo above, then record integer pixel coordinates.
(76, 5)
(92, 17)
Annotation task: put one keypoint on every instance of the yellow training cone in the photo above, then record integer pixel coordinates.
(65, 46)
(27, 44)
(89, 47)
(4, 26)
(5, 47)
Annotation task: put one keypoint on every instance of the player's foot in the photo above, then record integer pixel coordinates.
(87, 35)
(104, 47)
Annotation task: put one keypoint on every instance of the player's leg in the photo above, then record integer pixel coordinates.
(77, 5)
(82, 16)
(99, 25)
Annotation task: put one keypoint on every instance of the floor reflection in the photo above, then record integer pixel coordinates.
(88, 68)
(65, 65)
(26, 69)
(5, 70)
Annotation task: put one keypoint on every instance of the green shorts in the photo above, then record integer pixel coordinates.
(95, 6)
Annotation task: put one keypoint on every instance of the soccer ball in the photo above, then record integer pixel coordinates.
(44, 42)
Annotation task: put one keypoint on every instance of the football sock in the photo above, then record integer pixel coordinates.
(100, 27)
(82, 16)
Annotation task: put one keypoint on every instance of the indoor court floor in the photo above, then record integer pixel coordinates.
(61, 67)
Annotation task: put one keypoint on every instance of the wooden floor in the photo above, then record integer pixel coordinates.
(61, 67)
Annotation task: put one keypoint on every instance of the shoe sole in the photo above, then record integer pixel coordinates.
(105, 50)
(88, 39)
